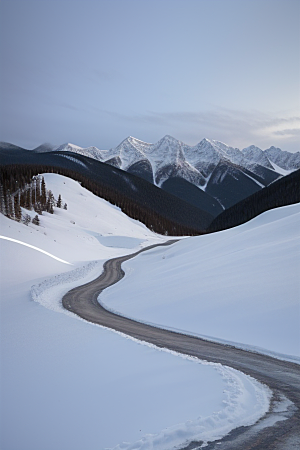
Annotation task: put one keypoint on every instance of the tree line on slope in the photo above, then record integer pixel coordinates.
(282, 192)
(18, 190)
(19, 186)
(22, 175)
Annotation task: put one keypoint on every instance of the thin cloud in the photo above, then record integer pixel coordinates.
(288, 132)
(237, 128)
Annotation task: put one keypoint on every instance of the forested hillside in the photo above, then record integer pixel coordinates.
(282, 192)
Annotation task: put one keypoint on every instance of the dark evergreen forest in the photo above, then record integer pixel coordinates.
(19, 190)
(282, 192)
(21, 186)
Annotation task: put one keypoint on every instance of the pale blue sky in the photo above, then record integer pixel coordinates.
(92, 72)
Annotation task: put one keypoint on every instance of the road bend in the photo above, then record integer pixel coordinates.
(279, 429)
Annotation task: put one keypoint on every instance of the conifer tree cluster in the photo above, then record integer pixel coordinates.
(18, 190)
(159, 222)
(282, 192)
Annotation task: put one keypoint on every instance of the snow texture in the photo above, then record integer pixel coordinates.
(245, 399)
(84, 386)
(170, 157)
(91, 152)
(239, 286)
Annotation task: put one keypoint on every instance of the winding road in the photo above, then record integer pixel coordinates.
(278, 430)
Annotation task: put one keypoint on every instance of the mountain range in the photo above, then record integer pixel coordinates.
(210, 176)
(170, 186)
(203, 157)
(210, 173)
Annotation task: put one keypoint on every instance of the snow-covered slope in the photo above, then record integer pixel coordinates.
(285, 160)
(85, 230)
(91, 152)
(130, 151)
(67, 384)
(256, 155)
(167, 160)
(240, 285)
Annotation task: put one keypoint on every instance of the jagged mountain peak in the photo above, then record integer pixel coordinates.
(131, 143)
(274, 148)
(130, 151)
(67, 145)
(252, 148)
(283, 159)
(91, 152)
(257, 156)
(207, 145)
(134, 141)
(166, 151)
(170, 139)
(170, 157)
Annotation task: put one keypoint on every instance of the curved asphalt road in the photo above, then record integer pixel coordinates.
(282, 377)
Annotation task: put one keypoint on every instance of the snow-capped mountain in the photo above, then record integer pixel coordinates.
(170, 157)
(224, 173)
(167, 160)
(91, 152)
(131, 151)
(257, 156)
(285, 160)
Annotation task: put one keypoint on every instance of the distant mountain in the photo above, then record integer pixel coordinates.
(285, 160)
(210, 175)
(284, 191)
(46, 147)
(256, 155)
(6, 147)
(90, 152)
(141, 200)
(170, 158)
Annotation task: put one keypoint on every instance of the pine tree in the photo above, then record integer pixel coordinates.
(33, 183)
(38, 189)
(27, 199)
(43, 194)
(50, 203)
(65, 206)
(18, 211)
(10, 210)
(2, 200)
(58, 204)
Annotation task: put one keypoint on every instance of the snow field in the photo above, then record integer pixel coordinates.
(244, 402)
(239, 286)
(86, 231)
(82, 385)
(66, 384)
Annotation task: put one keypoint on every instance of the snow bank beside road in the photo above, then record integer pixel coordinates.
(244, 399)
(85, 386)
(240, 286)
(124, 392)
(246, 402)
(49, 292)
